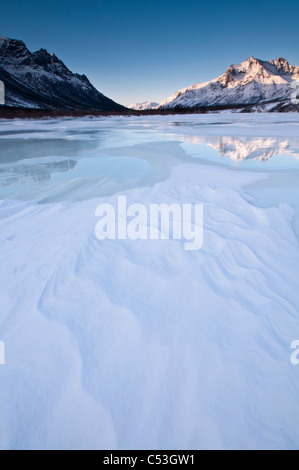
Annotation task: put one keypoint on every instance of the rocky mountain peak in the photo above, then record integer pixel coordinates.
(255, 82)
(41, 80)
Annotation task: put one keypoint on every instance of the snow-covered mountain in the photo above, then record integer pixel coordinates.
(41, 80)
(144, 106)
(267, 85)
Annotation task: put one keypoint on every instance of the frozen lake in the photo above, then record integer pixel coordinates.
(75, 159)
(126, 344)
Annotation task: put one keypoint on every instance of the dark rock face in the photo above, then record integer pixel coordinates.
(41, 80)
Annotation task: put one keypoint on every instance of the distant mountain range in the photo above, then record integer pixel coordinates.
(261, 85)
(144, 106)
(41, 80)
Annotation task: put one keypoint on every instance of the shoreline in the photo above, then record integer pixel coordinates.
(7, 112)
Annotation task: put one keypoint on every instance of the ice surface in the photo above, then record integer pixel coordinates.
(140, 344)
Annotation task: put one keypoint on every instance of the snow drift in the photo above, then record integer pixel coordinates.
(125, 344)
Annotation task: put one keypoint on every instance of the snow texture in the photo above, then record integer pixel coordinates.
(139, 344)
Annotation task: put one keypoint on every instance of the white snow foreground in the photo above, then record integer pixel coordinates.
(125, 344)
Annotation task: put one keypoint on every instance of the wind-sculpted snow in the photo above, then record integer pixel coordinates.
(139, 344)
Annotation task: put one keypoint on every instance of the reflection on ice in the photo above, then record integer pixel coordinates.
(242, 148)
(114, 154)
(19, 148)
(32, 172)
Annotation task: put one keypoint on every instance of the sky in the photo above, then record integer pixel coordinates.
(135, 51)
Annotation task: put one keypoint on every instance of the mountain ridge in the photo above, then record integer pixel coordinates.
(41, 80)
(146, 105)
(253, 82)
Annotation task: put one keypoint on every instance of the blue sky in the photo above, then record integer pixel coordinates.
(135, 51)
